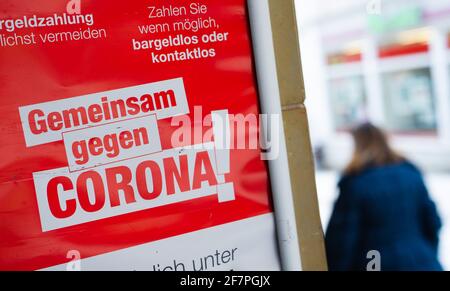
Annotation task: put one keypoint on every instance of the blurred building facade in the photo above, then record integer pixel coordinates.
(383, 61)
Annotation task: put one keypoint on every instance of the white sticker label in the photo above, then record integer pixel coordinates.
(44, 123)
(100, 145)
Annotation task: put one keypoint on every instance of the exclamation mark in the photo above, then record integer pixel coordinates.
(222, 142)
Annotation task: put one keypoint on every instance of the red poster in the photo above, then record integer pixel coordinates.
(113, 114)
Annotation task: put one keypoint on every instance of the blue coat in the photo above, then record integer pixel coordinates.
(386, 209)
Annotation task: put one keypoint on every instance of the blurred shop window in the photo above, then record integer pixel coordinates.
(407, 86)
(348, 100)
(409, 102)
(346, 85)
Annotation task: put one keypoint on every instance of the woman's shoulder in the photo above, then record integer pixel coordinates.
(409, 165)
(405, 166)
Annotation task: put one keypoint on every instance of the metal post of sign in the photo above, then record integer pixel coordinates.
(270, 104)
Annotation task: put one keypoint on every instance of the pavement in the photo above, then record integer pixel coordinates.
(438, 186)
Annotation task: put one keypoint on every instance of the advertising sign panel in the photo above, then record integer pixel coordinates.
(130, 138)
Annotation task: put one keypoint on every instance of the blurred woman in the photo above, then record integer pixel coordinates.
(383, 206)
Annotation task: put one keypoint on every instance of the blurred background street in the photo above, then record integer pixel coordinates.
(387, 62)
